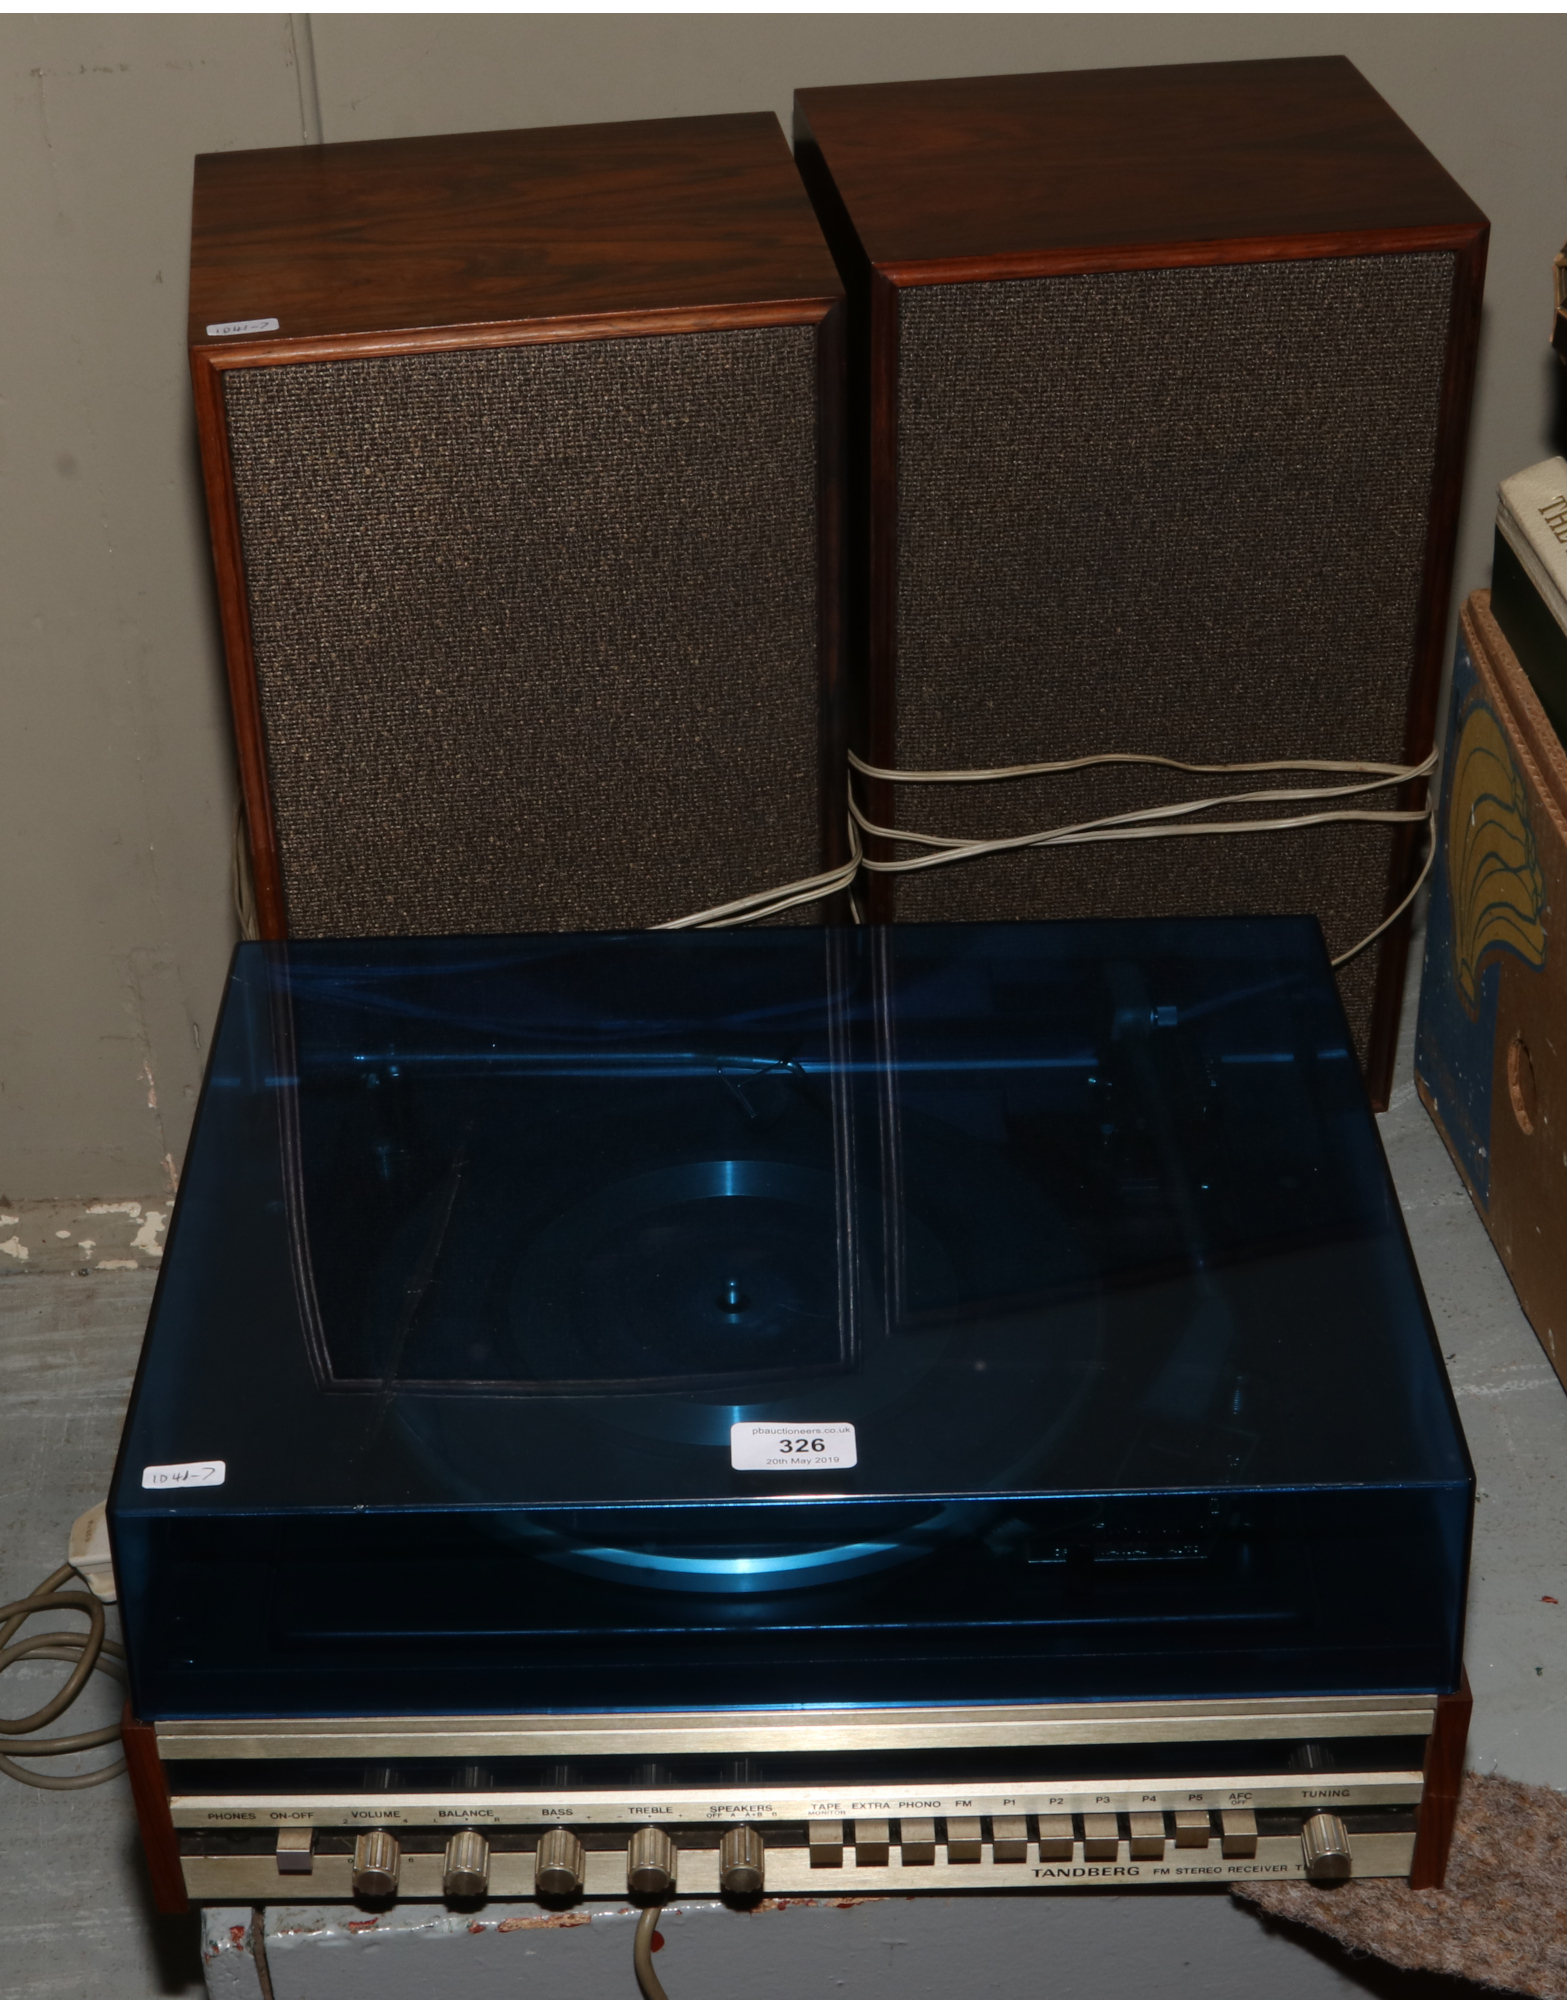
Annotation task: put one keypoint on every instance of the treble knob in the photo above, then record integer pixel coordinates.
(467, 1870)
(377, 1860)
(557, 1867)
(741, 1862)
(1325, 1842)
(650, 1862)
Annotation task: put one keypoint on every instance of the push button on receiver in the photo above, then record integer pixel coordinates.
(1055, 1837)
(1238, 1834)
(1010, 1841)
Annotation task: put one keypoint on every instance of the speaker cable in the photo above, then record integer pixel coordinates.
(1165, 822)
(1160, 822)
(772, 902)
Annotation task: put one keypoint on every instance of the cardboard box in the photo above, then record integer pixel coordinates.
(1491, 1044)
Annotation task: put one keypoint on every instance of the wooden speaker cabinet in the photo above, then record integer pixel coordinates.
(522, 454)
(1165, 377)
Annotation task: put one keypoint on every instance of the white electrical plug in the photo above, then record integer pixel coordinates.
(88, 1553)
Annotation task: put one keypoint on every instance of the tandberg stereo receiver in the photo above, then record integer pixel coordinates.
(915, 1407)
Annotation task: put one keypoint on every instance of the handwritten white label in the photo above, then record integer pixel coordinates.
(791, 1447)
(200, 1472)
(227, 326)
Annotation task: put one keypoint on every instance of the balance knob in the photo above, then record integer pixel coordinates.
(740, 1862)
(467, 1871)
(557, 1868)
(1326, 1845)
(377, 1858)
(650, 1862)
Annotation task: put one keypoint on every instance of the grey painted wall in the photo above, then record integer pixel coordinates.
(116, 781)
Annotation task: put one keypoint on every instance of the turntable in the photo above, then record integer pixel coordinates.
(913, 1407)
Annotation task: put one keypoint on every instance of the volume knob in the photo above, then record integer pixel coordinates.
(650, 1862)
(1325, 1842)
(557, 1868)
(377, 1859)
(467, 1870)
(741, 1862)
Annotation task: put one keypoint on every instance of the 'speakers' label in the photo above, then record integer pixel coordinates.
(791, 1447)
(226, 327)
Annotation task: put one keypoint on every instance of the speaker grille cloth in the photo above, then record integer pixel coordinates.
(535, 628)
(1180, 511)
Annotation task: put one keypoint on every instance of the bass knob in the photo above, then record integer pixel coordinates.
(557, 1867)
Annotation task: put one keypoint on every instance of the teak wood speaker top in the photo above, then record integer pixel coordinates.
(567, 221)
(1026, 167)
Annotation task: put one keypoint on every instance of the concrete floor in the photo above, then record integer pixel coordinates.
(74, 1917)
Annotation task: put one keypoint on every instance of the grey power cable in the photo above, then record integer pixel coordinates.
(642, 1954)
(86, 1653)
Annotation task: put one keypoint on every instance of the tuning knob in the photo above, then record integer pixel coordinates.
(741, 1862)
(377, 1859)
(467, 1871)
(1326, 1845)
(557, 1868)
(650, 1862)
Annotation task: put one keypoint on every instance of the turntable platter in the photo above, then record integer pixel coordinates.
(706, 1269)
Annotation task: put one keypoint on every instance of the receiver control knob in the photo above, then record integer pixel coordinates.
(741, 1862)
(557, 1867)
(467, 1870)
(650, 1862)
(377, 1859)
(1326, 1844)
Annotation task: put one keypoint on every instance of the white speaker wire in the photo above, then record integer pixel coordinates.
(769, 902)
(1141, 823)
(1133, 825)
(975, 776)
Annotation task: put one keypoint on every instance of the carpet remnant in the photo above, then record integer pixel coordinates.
(1501, 1917)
